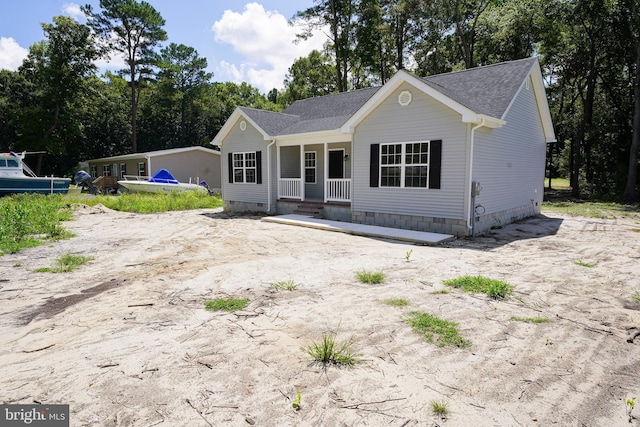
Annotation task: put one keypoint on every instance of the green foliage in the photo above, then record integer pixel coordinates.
(496, 289)
(371, 277)
(330, 352)
(636, 297)
(440, 408)
(432, 328)
(397, 302)
(584, 264)
(67, 262)
(296, 402)
(156, 202)
(537, 319)
(408, 255)
(288, 285)
(28, 220)
(226, 304)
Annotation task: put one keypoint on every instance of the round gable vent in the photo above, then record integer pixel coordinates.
(243, 125)
(405, 98)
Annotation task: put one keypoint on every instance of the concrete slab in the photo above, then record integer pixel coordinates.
(420, 237)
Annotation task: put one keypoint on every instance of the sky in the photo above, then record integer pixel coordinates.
(243, 41)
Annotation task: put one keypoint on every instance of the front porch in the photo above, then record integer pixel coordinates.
(319, 172)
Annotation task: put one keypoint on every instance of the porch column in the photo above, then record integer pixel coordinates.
(278, 169)
(302, 173)
(326, 171)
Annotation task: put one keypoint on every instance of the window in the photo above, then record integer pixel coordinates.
(244, 167)
(106, 170)
(94, 171)
(310, 167)
(142, 169)
(406, 165)
(123, 169)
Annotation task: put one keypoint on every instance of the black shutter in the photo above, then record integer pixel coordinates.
(435, 164)
(374, 166)
(230, 168)
(258, 167)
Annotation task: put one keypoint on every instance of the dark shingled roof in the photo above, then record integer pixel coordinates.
(485, 90)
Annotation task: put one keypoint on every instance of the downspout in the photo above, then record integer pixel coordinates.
(148, 157)
(470, 218)
(273, 141)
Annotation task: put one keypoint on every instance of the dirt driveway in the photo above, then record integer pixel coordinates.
(125, 340)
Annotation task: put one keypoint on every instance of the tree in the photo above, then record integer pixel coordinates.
(339, 16)
(309, 76)
(133, 29)
(56, 70)
(629, 22)
(182, 71)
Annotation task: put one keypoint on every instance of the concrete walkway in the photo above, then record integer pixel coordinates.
(421, 237)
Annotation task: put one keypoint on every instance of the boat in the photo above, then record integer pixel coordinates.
(17, 177)
(161, 182)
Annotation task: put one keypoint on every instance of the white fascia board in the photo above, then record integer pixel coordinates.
(309, 138)
(468, 116)
(231, 122)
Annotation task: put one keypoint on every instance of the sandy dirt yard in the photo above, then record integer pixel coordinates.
(125, 339)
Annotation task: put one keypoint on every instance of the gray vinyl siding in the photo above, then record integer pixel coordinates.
(290, 162)
(190, 166)
(423, 119)
(509, 162)
(244, 141)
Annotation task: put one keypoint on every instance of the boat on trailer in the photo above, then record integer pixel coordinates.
(17, 177)
(161, 182)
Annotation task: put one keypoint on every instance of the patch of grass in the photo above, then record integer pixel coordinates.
(496, 289)
(29, 220)
(635, 230)
(148, 203)
(226, 304)
(440, 291)
(330, 352)
(636, 297)
(397, 302)
(440, 408)
(537, 319)
(593, 209)
(67, 262)
(584, 264)
(434, 329)
(371, 277)
(558, 183)
(288, 285)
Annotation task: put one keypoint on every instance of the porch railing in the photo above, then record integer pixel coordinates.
(290, 188)
(338, 190)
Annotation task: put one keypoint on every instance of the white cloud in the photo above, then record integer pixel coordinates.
(266, 43)
(11, 54)
(73, 10)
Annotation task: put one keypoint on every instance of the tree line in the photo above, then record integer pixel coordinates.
(589, 51)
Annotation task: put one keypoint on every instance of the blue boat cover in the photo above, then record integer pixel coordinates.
(163, 176)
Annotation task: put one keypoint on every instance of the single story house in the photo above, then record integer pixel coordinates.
(189, 164)
(454, 153)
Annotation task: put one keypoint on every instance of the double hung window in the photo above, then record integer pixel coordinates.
(404, 165)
